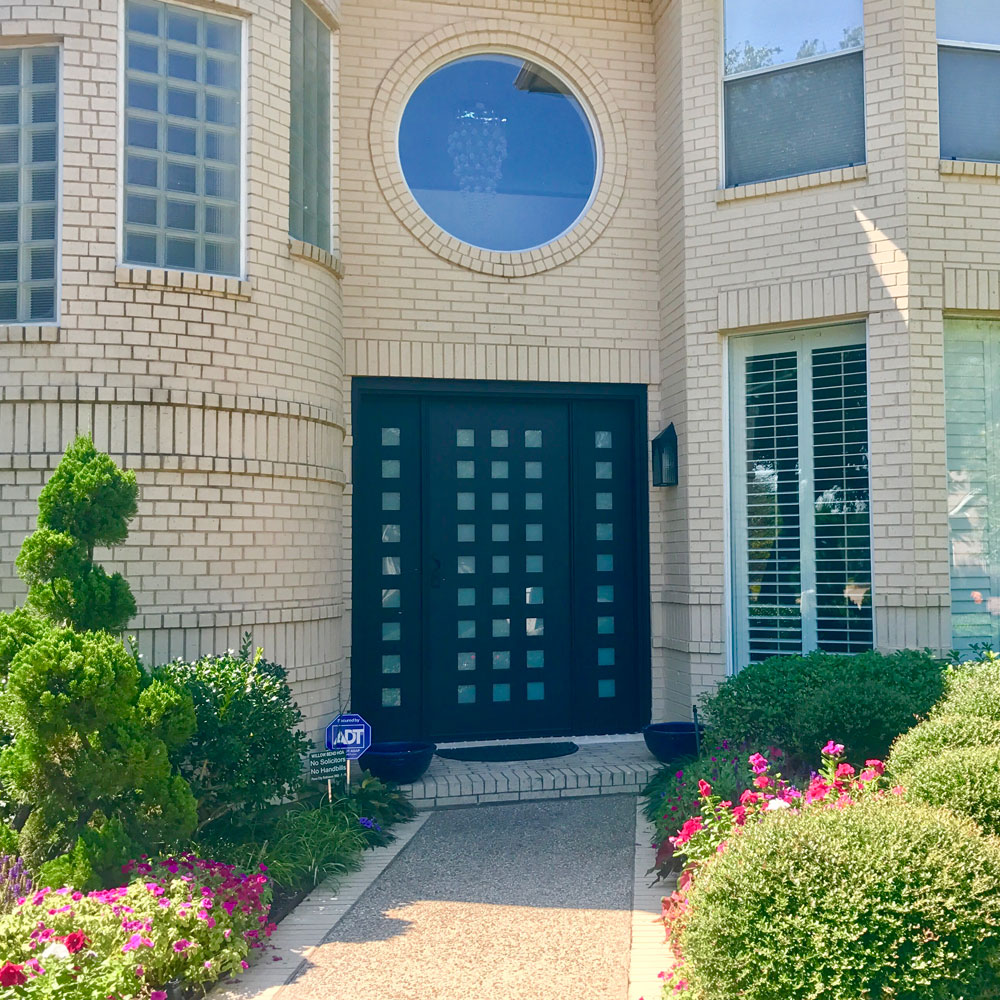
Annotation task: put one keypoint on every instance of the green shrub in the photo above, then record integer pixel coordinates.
(799, 702)
(87, 502)
(964, 779)
(386, 804)
(881, 899)
(937, 734)
(972, 689)
(88, 768)
(247, 749)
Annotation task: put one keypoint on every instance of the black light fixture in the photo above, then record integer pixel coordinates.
(665, 457)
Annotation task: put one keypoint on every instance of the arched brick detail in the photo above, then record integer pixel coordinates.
(467, 38)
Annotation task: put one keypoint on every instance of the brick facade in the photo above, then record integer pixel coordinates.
(229, 397)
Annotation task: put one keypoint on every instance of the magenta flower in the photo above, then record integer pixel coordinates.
(158, 995)
(758, 763)
(182, 945)
(833, 749)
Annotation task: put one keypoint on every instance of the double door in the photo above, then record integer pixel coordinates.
(498, 589)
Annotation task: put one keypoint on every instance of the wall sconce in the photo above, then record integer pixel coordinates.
(665, 457)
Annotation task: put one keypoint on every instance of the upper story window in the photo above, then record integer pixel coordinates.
(969, 78)
(309, 120)
(183, 141)
(794, 88)
(499, 152)
(29, 188)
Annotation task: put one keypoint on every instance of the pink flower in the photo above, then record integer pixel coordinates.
(749, 798)
(758, 763)
(762, 781)
(158, 995)
(833, 749)
(139, 971)
(182, 945)
(844, 771)
(704, 788)
(740, 815)
(898, 790)
(876, 765)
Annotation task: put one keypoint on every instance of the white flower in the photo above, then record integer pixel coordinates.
(56, 950)
(776, 804)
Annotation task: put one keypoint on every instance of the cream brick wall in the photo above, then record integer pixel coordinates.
(225, 396)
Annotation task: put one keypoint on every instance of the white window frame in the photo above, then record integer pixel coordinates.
(19, 43)
(244, 23)
(740, 348)
(727, 77)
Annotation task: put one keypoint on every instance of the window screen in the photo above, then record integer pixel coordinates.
(801, 495)
(182, 138)
(793, 89)
(29, 150)
(309, 174)
(969, 94)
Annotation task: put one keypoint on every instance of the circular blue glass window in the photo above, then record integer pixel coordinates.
(498, 152)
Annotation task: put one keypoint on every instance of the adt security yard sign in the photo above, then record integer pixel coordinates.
(349, 733)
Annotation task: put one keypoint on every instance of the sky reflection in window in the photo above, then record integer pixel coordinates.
(498, 152)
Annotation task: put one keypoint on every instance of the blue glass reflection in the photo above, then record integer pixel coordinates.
(498, 152)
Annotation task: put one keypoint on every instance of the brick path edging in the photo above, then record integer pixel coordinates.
(649, 956)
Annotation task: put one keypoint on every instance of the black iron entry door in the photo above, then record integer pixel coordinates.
(498, 585)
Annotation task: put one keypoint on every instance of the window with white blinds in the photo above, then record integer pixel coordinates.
(800, 493)
(972, 409)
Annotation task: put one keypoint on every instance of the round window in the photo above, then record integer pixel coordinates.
(499, 152)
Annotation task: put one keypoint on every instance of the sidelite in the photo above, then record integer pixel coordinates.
(496, 569)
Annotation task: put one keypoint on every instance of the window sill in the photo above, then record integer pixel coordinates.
(28, 333)
(308, 251)
(822, 178)
(970, 168)
(182, 281)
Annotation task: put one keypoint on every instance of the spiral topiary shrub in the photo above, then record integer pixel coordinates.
(972, 689)
(964, 779)
(937, 734)
(885, 898)
(799, 702)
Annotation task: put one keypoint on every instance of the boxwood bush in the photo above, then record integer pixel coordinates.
(963, 779)
(797, 703)
(939, 733)
(848, 903)
(973, 689)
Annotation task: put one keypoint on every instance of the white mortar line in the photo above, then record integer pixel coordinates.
(307, 926)
(649, 955)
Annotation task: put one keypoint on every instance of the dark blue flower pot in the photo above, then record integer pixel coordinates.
(668, 741)
(400, 762)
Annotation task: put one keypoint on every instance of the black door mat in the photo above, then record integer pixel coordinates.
(515, 751)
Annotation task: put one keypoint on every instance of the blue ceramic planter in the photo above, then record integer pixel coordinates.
(667, 741)
(400, 762)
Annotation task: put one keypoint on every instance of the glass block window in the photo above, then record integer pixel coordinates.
(802, 528)
(969, 78)
(183, 141)
(793, 88)
(309, 123)
(972, 421)
(29, 152)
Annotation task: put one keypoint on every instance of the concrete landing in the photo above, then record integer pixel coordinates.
(606, 765)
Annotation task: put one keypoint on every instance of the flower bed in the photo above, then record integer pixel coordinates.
(182, 919)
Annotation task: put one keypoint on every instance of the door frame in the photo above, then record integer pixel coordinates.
(364, 387)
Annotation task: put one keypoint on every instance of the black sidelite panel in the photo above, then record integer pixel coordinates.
(500, 585)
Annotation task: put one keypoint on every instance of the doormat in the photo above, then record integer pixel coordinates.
(515, 751)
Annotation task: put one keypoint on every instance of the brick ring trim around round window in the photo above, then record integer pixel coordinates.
(485, 37)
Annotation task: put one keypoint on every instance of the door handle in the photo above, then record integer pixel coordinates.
(434, 577)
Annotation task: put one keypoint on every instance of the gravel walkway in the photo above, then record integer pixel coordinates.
(530, 901)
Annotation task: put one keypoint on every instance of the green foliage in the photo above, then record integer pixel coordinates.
(386, 804)
(247, 749)
(973, 689)
(87, 502)
(672, 793)
(963, 779)
(89, 758)
(308, 845)
(937, 734)
(882, 899)
(797, 703)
